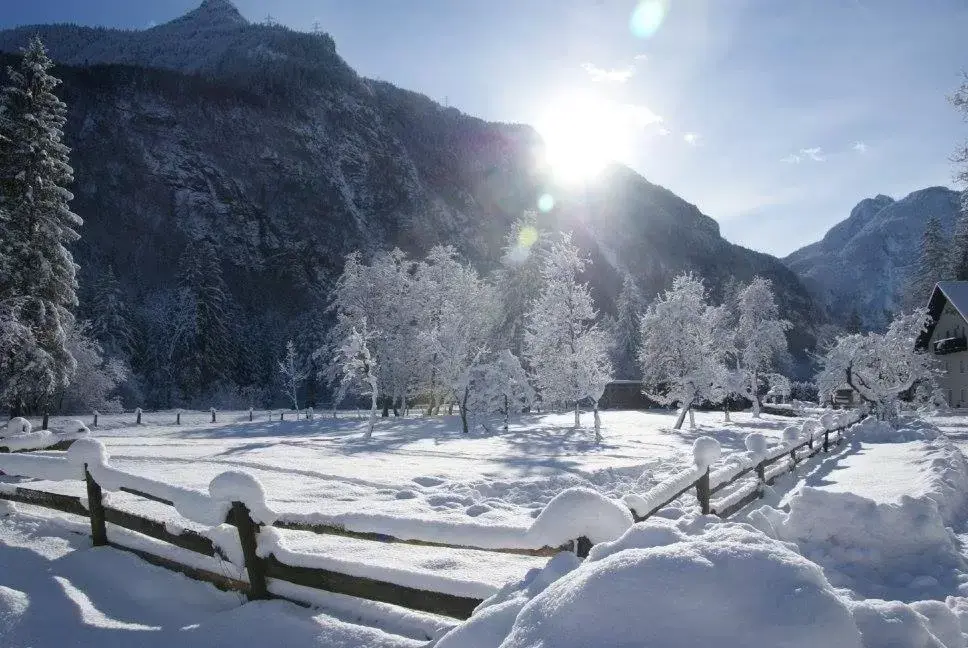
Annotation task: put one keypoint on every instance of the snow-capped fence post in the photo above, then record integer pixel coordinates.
(826, 440)
(309, 414)
(177, 417)
(44, 425)
(137, 413)
(95, 507)
(213, 415)
(95, 418)
(248, 537)
(250, 415)
(282, 415)
(703, 492)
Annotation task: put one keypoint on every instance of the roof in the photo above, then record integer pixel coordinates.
(945, 292)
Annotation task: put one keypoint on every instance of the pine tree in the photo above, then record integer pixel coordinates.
(109, 315)
(39, 275)
(930, 266)
(206, 297)
(629, 308)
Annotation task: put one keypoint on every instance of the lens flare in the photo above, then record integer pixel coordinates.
(647, 17)
(546, 203)
(528, 236)
(521, 250)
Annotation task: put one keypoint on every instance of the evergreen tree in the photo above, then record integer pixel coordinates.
(627, 335)
(206, 298)
(109, 316)
(39, 275)
(930, 266)
(518, 280)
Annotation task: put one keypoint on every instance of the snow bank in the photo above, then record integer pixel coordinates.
(892, 623)
(791, 434)
(237, 486)
(18, 425)
(577, 512)
(29, 441)
(688, 583)
(901, 550)
(663, 491)
(756, 443)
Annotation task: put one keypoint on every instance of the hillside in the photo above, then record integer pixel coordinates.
(265, 142)
(863, 262)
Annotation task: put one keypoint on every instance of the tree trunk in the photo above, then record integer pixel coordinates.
(577, 415)
(692, 419)
(386, 408)
(507, 413)
(396, 408)
(755, 396)
(598, 424)
(726, 410)
(463, 411)
(686, 407)
(369, 428)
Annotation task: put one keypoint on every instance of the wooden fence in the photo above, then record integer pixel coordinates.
(259, 571)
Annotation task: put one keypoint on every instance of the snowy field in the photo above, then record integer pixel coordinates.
(418, 468)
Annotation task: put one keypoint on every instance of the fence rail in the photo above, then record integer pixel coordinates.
(258, 570)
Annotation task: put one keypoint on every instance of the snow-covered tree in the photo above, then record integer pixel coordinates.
(38, 286)
(501, 385)
(929, 268)
(626, 332)
(880, 367)
(97, 377)
(455, 323)
(293, 374)
(109, 314)
(358, 369)
(760, 337)
(518, 280)
(960, 101)
(682, 348)
(565, 347)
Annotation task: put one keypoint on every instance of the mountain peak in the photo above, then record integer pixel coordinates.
(213, 13)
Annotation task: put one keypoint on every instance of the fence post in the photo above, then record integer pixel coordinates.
(703, 492)
(582, 546)
(826, 440)
(761, 476)
(213, 415)
(95, 508)
(178, 417)
(44, 426)
(255, 566)
(138, 414)
(250, 414)
(95, 418)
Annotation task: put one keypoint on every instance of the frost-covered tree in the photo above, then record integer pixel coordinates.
(760, 337)
(501, 385)
(880, 367)
(455, 324)
(682, 349)
(206, 297)
(293, 374)
(929, 268)
(97, 377)
(358, 369)
(960, 101)
(565, 347)
(109, 314)
(518, 280)
(38, 286)
(625, 347)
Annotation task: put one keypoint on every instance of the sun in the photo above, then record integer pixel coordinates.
(582, 134)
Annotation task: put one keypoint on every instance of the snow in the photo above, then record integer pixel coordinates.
(791, 434)
(578, 512)
(698, 578)
(756, 443)
(38, 467)
(706, 451)
(892, 623)
(238, 486)
(29, 441)
(18, 425)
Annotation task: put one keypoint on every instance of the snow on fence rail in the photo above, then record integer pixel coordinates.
(240, 524)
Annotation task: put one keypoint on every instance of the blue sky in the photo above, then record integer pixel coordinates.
(774, 117)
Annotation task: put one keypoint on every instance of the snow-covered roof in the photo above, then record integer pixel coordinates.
(945, 292)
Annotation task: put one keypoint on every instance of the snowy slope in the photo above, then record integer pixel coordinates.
(863, 261)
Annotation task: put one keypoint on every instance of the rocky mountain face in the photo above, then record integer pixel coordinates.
(265, 142)
(860, 267)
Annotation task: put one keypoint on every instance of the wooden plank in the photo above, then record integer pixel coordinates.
(95, 505)
(752, 496)
(55, 501)
(457, 607)
(149, 496)
(640, 518)
(187, 539)
(218, 580)
(254, 565)
(735, 478)
(332, 529)
(702, 492)
(64, 444)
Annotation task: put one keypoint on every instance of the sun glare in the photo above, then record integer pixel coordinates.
(582, 135)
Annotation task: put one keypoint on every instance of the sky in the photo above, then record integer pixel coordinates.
(773, 117)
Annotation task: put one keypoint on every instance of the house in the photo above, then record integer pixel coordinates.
(945, 337)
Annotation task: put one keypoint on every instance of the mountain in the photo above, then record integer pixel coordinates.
(861, 264)
(263, 141)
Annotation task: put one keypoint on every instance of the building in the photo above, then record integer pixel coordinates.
(945, 337)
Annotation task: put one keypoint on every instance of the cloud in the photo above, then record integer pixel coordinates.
(793, 158)
(860, 147)
(692, 139)
(664, 131)
(640, 57)
(815, 154)
(611, 75)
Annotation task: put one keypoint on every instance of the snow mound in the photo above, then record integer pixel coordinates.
(87, 451)
(692, 583)
(871, 430)
(18, 425)
(791, 434)
(706, 451)
(892, 623)
(811, 428)
(894, 550)
(75, 427)
(13, 605)
(942, 621)
(828, 420)
(238, 486)
(29, 441)
(577, 512)
(756, 443)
